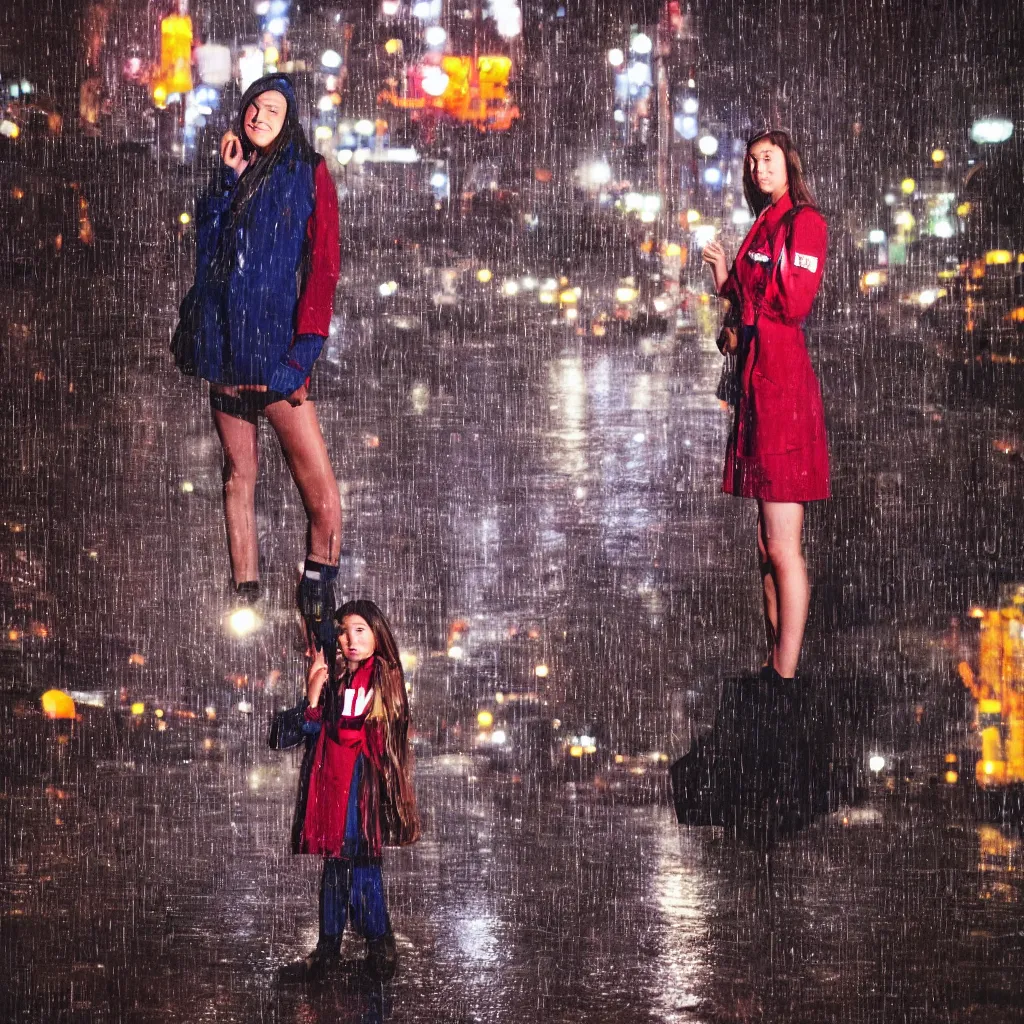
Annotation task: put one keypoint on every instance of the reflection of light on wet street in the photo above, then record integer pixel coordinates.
(521, 409)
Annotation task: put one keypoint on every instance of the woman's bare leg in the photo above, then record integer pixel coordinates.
(241, 461)
(783, 523)
(302, 442)
(768, 596)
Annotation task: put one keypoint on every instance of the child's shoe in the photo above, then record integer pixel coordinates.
(316, 965)
(382, 957)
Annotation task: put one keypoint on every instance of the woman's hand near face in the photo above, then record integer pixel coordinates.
(231, 152)
(316, 678)
(714, 256)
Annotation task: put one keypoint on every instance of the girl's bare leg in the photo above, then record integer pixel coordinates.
(302, 442)
(768, 596)
(241, 461)
(783, 524)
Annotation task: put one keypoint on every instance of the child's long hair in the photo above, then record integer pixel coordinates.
(798, 190)
(389, 810)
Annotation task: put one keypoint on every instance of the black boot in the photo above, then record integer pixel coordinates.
(316, 965)
(316, 602)
(247, 592)
(382, 957)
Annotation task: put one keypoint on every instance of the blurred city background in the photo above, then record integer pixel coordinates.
(518, 394)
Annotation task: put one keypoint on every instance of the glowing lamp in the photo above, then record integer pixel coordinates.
(616, 57)
(330, 59)
(175, 73)
(434, 81)
(483, 275)
(708, 145)
(876, 763)
(641, 43)
(998, 257)
(484, 719)
(908, 186)
(243, 621)
(393, 47)
(938, 156)
(57, 704)
(991, 130)
(435, 36)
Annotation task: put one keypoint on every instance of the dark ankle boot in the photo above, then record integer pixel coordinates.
(315, 599)
(314, 966)
(247, 592)
(382, 957)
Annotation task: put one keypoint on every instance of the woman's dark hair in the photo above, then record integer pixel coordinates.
(388, 676)
(798, 190)
(290, 145)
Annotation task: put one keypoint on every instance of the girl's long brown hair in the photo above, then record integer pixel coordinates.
(798, 190)
(389, 810)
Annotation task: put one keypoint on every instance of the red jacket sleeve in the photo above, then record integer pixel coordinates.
(801, 268)
(316, 304)
(731, 288)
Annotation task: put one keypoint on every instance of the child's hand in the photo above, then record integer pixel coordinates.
(317, 677)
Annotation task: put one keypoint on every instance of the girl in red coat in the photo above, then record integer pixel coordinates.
(356, 794)
(777, 451)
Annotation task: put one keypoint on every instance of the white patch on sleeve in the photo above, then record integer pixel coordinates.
(807, 262)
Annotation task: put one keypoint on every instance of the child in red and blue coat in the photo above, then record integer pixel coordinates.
(356, 794)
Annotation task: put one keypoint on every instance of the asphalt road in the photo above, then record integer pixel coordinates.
(557, 495)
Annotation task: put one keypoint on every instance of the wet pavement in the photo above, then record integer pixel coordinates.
(532, 497)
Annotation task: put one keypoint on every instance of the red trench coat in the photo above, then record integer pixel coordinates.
(778, 449)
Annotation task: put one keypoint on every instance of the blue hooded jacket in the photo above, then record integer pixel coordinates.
(237, 322)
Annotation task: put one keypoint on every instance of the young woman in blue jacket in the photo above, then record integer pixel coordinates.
(253, 325)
